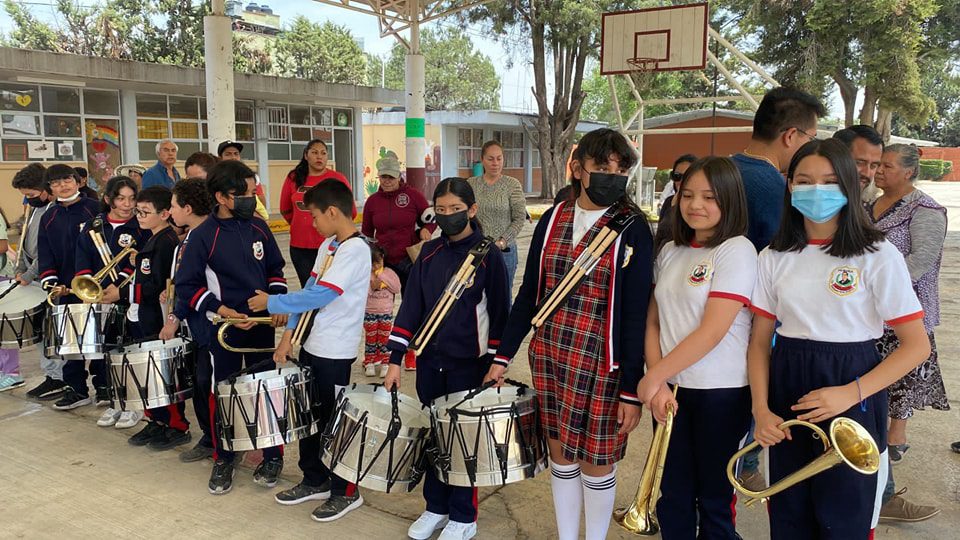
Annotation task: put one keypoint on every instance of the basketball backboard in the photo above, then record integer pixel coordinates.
(669, 38)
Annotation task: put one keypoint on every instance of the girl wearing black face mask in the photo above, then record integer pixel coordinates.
(459, 354)
(587, 358)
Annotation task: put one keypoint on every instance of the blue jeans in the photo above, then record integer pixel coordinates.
(511, 259)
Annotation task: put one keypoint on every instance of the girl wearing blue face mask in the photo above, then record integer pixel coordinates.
(832, 281)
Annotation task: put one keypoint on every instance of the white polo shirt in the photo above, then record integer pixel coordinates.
(338, 327)
(686, 277)
(840, 300)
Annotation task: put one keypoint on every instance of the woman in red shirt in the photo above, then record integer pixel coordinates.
(304, 239)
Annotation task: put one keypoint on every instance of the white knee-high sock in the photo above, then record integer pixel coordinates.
(567, 499)
(599, 493)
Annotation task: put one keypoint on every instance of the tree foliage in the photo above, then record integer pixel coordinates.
(319, 52)
(456, 76)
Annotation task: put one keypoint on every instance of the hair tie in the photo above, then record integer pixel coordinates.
(863, 403)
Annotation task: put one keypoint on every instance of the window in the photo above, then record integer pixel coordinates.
(512, 142)
(59, 123)
(184, 119)
(469, 142)
(293, 126)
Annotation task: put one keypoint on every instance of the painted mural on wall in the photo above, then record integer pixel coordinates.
(432, 161)
(103, 149)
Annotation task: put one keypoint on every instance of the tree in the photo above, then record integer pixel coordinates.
(248, 58)
(873, 45)
(456, 76)
(375, 71)
(942, 83)
(319, 52)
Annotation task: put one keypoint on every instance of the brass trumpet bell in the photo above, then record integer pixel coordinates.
(848, 443)
(226, 322)
(89, 289)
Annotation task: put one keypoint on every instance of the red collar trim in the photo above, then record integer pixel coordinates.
(819, 241)
(694, 244)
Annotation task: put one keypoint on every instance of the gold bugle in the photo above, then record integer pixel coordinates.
(226, 322)
(640, 517)
(848, 442)
(89, 289)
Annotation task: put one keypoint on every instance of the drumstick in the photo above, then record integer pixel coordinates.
(13, 285)
(306, 317)
(595, 250)
(446, 301)
(26, 221)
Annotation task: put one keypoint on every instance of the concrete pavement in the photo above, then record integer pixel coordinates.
(64, 477)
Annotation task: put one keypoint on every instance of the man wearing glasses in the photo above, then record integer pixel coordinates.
(785, 121)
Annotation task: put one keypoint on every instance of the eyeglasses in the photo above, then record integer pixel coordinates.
(142, 213)
(812, 137)
(676, 176)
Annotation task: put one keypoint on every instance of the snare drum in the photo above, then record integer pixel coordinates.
(153, 373)
(21, 322)
(83, 331)
(491, 437)
(265, 409)
(376, 438)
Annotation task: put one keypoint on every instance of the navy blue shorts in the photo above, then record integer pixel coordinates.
(837, 503)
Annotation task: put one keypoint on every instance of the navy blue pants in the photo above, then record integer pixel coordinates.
(707, 430)
(226, 363)
(202, 384)
(460, 503)
(327, 374)
(837, 503)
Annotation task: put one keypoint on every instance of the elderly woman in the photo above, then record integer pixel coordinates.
(502, 205)
(134, 172)
(393, 216)
(917, 225)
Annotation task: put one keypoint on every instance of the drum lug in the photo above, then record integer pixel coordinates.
(252, 432)
(282, 426)
(470, 463)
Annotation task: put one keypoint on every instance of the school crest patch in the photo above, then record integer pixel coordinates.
(844, 280)
(145, 267)
(700, 273)
(258, 250)
(125, 240)
(403, 200)
(627, 255)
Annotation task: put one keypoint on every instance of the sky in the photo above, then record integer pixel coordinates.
(509, 55)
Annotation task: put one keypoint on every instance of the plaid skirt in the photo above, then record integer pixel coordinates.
(578, 399)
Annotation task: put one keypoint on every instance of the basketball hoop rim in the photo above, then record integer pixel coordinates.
(643, 63)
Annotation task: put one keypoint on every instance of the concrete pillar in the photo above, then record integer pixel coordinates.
(415, 106)
(261, 134)
(129, 139)
(218, 56)
(360, 189)
(527, 163)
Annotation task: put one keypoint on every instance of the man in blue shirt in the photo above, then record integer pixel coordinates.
(163, 173)
(785, 121)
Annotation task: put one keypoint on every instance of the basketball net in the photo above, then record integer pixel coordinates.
(642, 72)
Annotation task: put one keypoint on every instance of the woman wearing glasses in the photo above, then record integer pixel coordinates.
(304, 239)
(665, 223)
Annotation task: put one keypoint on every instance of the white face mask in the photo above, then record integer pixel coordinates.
(72, 198)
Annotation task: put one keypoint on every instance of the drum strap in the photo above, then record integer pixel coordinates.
(305, 324)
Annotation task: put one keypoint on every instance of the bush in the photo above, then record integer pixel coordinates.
(934, 169)
(660, 179)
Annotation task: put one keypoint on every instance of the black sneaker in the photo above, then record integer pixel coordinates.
(303, 493)
(71, 400)
(221, 478)
(336, 507)
(48, 390)
(268, 472)
(103, 396)
(197, 453)
(169, 438)
(151, 432)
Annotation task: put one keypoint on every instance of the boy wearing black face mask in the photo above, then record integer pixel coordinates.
(587, 358)
(228, 258)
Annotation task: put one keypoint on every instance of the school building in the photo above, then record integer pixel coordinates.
(101, 113)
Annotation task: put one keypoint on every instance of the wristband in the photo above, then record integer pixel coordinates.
(863, 403)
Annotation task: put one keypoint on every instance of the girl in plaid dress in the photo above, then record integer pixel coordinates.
(378, 318)
(587, 357)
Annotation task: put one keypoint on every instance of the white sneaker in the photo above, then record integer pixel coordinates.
(128, 419)
(458, 531)
(109, 417)
(427, 524)
(370, 370)
(383, 369)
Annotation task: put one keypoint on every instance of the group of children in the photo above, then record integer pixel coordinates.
(638, 323)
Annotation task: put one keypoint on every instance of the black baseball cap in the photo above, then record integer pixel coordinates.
(227, 144)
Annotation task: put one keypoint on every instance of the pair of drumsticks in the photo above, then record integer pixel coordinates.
(582, 266)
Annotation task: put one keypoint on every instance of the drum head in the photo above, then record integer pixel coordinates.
(21, 298)
(376, 401)
(491, 398)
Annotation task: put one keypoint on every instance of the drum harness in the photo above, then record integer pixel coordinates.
(582, 267)
(388, 444)
(441, 457)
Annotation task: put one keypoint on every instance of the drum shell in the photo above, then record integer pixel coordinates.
(161, 370)
(264, 397)
(523, 439)
(93, 331)
(23, 312)
(372, 403)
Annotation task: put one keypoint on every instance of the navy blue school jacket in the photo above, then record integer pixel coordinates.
(117, 236)
(474, 324)
(201, 328)
(226, 261)
(57, 241)
(154, 263)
